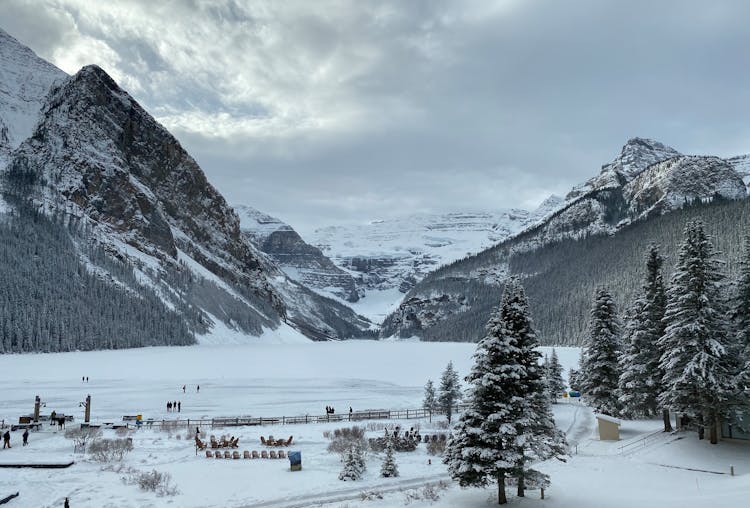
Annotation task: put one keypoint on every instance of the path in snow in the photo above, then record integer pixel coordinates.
(350, 494)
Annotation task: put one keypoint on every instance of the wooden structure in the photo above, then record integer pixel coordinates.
(609, 427)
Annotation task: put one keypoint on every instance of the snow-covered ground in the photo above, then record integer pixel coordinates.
(294, 379)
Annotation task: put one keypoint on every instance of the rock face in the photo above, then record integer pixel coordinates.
(25, 80)
(299, 260)
(646, 180)
(97, 155)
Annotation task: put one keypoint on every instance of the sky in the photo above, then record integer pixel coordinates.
(328, 112)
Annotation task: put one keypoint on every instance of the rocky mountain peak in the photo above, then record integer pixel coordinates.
(638, 154)
(25, 80)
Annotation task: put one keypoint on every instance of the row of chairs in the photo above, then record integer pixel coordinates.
(273, 454)
(270, 441)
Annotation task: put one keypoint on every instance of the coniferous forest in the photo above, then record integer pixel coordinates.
(51, 301)
(561, 277)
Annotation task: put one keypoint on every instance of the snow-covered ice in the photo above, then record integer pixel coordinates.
(295, 379)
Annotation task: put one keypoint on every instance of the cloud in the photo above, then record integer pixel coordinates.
(331, 111)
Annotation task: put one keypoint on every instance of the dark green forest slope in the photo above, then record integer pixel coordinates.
(560, 277)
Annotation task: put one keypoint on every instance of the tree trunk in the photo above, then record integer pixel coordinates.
(521, 487)
(714, 430)
(501, 499)
(667, 422)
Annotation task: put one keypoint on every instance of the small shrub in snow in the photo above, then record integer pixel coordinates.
(400, 442)
(346, 438)
(430, 492)
(110, 450)
(82, 437)
(375, 426)
(123, 431)
(153, 481)
(370, 495)
(436, 447)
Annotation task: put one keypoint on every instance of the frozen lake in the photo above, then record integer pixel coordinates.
(253, 380)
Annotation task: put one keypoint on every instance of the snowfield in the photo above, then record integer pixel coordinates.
(298, 379)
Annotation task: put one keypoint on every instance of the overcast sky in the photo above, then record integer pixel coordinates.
(324, 112)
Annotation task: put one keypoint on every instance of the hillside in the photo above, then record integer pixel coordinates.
(597, 236)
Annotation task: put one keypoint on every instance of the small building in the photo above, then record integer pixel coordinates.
(609, 428)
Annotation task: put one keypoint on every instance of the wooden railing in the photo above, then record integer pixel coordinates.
(241, 421)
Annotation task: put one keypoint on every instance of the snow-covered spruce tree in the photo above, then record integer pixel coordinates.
(640, 375)
(599, 374)
(741, 322)
(389, 468)
(450, 391)
(555, 382)
(430, 402)
(697, 361)
(507, 422)
(352, 467)
(741, 310)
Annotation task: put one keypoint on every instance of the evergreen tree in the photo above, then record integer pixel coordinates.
(352, 466)
(697, 361)
(389, 468)
(450, 391)
(741, 311)
(430, 402)
(508, 421)
(640, 378)
(599, 371)
(555, 383)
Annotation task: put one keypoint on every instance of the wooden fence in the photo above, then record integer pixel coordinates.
(242, 421)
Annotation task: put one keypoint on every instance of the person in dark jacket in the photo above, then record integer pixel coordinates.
(6, 440)
(25, 437)
(67, 503)
(179, 406)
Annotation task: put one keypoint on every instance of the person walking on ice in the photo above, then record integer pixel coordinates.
(198, 388)
(25, 437)
(6, 440)
(183, 388)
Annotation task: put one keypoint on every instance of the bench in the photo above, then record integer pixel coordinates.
(19, 426)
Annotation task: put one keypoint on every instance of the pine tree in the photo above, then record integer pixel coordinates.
(389, 468)
(697, 361)
(450, 391)
(508, 421)
(555, 382)
(640, 378)
(430, 402)
(599, 371)
(741, 311)
(352, 467)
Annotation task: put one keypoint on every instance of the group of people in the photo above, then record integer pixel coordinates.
(84, 379)
(175, 406)
(6, 438)
(197, 388)
(330, 410)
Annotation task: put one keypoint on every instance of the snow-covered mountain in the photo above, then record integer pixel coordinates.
(95, 154)
(384, 255)
(299, 260)
(25, 80)
(647, 179)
